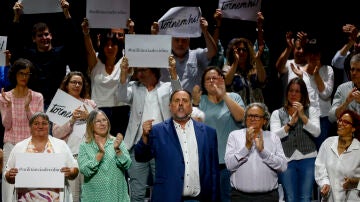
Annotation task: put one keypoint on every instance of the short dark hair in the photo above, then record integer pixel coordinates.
(39, 27)
(36, 115)
(115, 41)
(356, 121)
(19, 64)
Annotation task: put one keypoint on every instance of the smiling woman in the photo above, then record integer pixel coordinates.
(40, 142)
(75, 84)
(339, 183)
(101, 156)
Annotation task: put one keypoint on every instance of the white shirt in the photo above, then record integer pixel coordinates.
(331, 168)
(191, 158)
(151, 111)
(104, 86)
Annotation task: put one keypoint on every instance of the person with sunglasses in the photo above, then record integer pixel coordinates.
(244, 71)
(297, 123)
(105, 72)
(337, 170)
(51, 62)
(255, 156)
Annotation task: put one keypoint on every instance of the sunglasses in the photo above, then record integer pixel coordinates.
(240, 49)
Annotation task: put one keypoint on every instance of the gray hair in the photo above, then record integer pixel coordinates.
(91, 122)
(355, 58)
(36, 115)
(264, 109)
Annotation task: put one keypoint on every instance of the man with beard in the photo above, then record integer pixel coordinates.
(185, 153)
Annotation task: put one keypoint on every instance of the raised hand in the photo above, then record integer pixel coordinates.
(119, 138)
(99, 143)
(85, 26)
(6, 98)
(259, 141)
(147, 126)
(18, 10)
(155, 28)
(28, 98)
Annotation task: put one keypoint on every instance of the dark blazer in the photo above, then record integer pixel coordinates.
(165, 147)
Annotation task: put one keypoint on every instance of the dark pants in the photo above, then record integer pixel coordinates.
(119, 118)
(270, 196)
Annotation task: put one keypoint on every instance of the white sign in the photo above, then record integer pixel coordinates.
(3, 42)
(39, 170)
(61, 107)
(181, 22)
(240, 9)
(148, 50)
(107, 13)
(41, 6)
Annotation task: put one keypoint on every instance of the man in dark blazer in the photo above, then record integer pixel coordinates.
(185, 153)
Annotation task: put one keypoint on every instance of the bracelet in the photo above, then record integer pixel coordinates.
(217, 26)
(290, 126)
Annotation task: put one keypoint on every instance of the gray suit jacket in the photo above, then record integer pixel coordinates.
(134, 93)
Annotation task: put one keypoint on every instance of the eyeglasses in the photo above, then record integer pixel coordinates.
(354, 70)
(23, 74)
(254, 117)
(100, 121)
(344, 122)
(46, 34)
(76, 83)
(241, 49)
(214, 78)
(37, 124)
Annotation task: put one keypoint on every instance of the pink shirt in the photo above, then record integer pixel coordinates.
(15, 119)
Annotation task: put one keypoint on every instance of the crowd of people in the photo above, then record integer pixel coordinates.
(197, 131)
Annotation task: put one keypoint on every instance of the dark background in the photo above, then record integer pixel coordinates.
(319, 18)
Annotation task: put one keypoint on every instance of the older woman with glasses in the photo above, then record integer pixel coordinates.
(297, 123)
(337, 166)
(244, 71)
(103, 160)
(41, 142)
(224, 112)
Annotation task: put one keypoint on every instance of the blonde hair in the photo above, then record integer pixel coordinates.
(89, 135)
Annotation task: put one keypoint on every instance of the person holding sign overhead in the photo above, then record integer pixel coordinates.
(190, 64)
(50, 61)
(17, 106)
(73, 131)
(149, 99)
(104, 70)
(41, 142)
